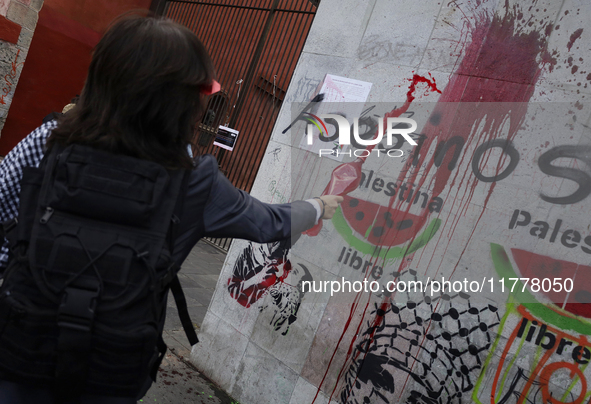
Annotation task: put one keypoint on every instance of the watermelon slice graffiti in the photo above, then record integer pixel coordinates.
(366, 225)
(546, 355)
(346, 178)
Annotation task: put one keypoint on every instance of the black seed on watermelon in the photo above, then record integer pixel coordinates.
(389, 221)
(359, 215)
(492, 308)
(464, 332)
(404, 224)
(395, 309)
(454, 313)
(483, 327)
(353, 202)
(380, 312)
(411, 305)
(427, 300)
(414, 342)
(473, 310)
(473, 350)
(446, 336)
(436, 317)
(403, 326)
(378, 231)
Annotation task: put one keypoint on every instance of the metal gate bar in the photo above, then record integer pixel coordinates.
(252, 161)
(255, 46)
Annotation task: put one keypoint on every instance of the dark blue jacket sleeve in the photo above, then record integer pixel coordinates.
(213, 207)
(231, 212)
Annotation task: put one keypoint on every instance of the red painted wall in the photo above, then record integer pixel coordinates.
(55, 68)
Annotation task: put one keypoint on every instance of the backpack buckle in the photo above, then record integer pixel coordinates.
(74, 318)
(76, 311)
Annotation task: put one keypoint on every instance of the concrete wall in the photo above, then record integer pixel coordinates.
(17, 24)
(504, 168)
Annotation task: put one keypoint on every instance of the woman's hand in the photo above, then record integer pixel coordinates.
(329, 204)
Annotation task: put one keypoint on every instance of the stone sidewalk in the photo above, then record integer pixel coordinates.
(178, 380)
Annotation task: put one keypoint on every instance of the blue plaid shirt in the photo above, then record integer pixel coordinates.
(28, 153)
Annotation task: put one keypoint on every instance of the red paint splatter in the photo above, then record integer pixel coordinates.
(249, 295)
(497, 75)
(346, 177)
(573, 38)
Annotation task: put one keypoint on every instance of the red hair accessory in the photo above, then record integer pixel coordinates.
(212, 88)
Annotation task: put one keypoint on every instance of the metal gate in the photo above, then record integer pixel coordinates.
(254, 45)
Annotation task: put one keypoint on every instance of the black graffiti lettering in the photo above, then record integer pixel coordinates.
(443, 148)
(367, 127)
(524, 222)
(367, 111)
(312, 106)
(417, 150)
(580, 177)
(399, 143)
(328, 121)
(508, 149)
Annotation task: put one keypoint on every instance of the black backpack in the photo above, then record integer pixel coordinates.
(83, 300)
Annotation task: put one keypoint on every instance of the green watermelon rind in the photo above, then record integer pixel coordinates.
(505, 270)
(385, 252)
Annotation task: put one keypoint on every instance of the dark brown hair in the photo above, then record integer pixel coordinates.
(142, 95)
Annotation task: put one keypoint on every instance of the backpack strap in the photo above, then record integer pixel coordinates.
(171, 280)
(75, 319)
(175, 285)
(181, 306)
